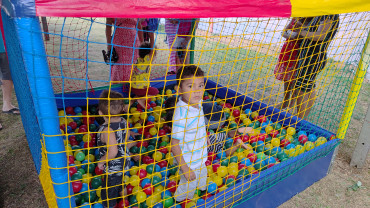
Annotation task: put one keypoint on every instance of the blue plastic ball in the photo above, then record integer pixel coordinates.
(200, 202)
(290, 146)
(312, 138)
(85, 205)
(246, 161)
(163, 171)
(134, 130)
(212, 188)
(144, 182)
(78, 110)
(166, 193)
(81, 144)
(98, 205)
(302, 133)
(158, 205)
(165, 181)
(248, 111)
(221, 154)
(84, 188)
(229, 139)
(271, 160)
(151, 118)
(277, 149)
(69, 129)
(157, 168)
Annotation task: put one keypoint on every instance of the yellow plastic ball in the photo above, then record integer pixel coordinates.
(250, 169)
(255, 132)
(140, 197)
(134, 170)
(86, 178)
(320, 141)
(153, 199)
(299, 149)
(157, 156)
(210, 96)
(232, 119)
(233, 165)
(153, 131)
(209, 170)
(133, 109)
(233, 171)
(77, 163)
(218, 180)
(169, 158)
(156, 116)
(227, 110)
(254, 114)
(308, 146)
(134, 180)
(61, 113)
(158, 189)
(247, 121)
(86, 138)
(247, 152)
(242, 116)
(223, 188)
(126, 179)
(98, 192)
(136, 189)
(240, 155)
(190, 204)
(135, 120)
(222, 171)
(275, 142)
(290, 152)
(289, 138)
(69, 120)
(138, 126)
(63, 121)
(143, 116)
(90, 158)
(165, 138)
(168, 92)
(269, 129)
(290, 131)
(135, 114)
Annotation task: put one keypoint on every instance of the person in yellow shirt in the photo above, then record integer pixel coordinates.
(140, 76)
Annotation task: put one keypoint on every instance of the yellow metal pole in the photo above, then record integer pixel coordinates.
(355, 89)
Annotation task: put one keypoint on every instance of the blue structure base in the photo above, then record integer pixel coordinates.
(289, 187)
(270, 187)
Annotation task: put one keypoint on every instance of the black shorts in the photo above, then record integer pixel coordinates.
(308, 70)
(217, 142)
(111, 195)
(4, 67)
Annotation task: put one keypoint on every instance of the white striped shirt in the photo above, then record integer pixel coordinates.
(189, 128)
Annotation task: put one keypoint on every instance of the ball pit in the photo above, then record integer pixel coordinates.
(153, 180)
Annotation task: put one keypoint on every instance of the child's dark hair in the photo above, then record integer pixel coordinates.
(187, 72)
(144, 49)
(114, 100)
(170, 109)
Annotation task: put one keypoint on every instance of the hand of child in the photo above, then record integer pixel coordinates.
(136, 157)
(245, 130)
(101, 166)
(189, 173)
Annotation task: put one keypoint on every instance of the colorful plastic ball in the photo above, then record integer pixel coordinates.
(299, 149)
(153, 131)
(142, 173)
(156, 180)
(222, 171)
(157, 156)
(302, 139)
(172, 185)
(167, 201)
(166, 193)
(248, 112)
(230, 182)
(151, 118)
(290, 146)
(233, 171)
(302, 133)
(77, 110)
(291, 131)
(246, 162)
(320, 141)
(77, 186)
(212, 188)
(312, 137)
(80, 156)
(98, 205)
(309, 146)
(84, 188)
(134, 180)
(96, 182)
(140, 196)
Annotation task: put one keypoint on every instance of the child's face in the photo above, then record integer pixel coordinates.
(192, 90)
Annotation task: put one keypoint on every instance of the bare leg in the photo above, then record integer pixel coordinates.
(305, 101)
(7, 88)
(151, 39)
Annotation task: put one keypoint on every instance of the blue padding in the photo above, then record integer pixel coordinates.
(19, 8)
(22, 90)
(34, 57)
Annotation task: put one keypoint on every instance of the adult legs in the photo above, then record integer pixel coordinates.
(305, 101)
(7, 88)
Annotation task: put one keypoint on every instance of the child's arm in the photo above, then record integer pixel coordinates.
(108, 32)
(176, 150)
(140, 33)
(112, 150)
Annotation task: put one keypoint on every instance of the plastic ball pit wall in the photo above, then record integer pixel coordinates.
(269, 188)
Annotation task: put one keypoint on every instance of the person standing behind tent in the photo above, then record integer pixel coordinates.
(126, 40)
(149, 25)
(285, 70)
(312, 59)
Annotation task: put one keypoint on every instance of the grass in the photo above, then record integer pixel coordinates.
(230, 61)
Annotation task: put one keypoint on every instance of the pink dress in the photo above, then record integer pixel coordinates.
(126, 38)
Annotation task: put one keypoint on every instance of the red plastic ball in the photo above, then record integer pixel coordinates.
(161, 132)
(77, 186)
(98, 171)
(163, 163)
(72, 170)
(207, 163)
(153, 105)
(211, 156)
(172, 185)
(284, 143)
(245, 138)
(129, 189)
(164, 150)
(73, 125)
(252, 157)
(302, 139)
(142, 173)
(70, 110)
(236, 113)
(253, 139)
(123, 204)
(142, 143)
(273, 133)
(205, 98)
(148, 189)
(71, 159)
(215, 167)
(150, 161)
(241, 166)
(261, 118)
(262, 137)
(147, 135)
